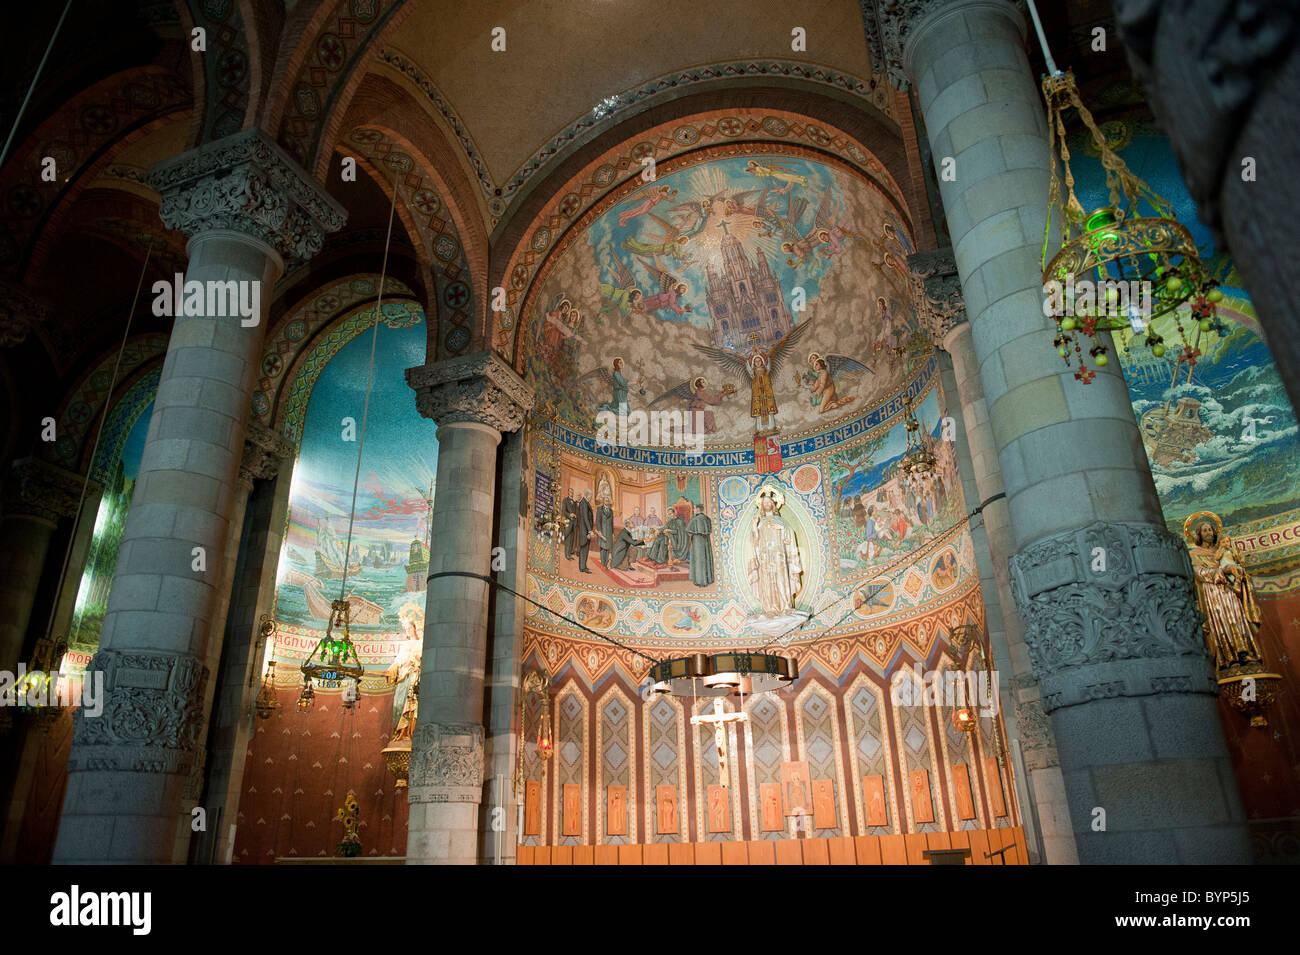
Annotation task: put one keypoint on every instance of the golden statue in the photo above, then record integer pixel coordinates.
(1225, 592)
(774, 568)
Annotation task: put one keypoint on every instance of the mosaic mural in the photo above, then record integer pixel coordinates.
(749, 295)
(1221, 435)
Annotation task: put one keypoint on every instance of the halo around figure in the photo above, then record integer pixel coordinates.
(1192, 525)
(778, 499)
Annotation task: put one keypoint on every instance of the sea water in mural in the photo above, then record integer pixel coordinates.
(387, 561)
(1221, 433)
(749, 296)
(118, 472)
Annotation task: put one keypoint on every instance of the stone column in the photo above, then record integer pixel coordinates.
(246, 206)
(36, 495)
(1104, 590)
(1221, 77)
(941, 309)
(239, 674)
(473, 400)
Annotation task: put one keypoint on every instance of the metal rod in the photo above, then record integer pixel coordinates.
(1042, 39)
(31, 89)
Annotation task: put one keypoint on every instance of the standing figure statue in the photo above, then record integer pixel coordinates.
(774, 568)
(404, 671)
(1224, 591)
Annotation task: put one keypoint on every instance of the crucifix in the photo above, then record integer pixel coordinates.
(718, 717)
(722, 224)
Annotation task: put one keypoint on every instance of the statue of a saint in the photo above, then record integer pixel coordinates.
(404, 671)
(1225, 592)
(774, 568)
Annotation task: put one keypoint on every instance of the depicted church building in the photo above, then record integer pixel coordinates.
(314, 528)
(745, 300)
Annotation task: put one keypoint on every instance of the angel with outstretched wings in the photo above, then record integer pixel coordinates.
(643, 201)
(691, 217)
(670, 243)
(758, 367)
(613, 379)
(671, 292)
(824, 370)
(622, 294)
(699, 400)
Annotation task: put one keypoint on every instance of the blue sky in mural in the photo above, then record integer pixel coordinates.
(398, 464)
(1227, 439)
(133, 448)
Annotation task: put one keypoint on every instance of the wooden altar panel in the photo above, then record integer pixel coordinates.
(666, 810)
(572, 810)
(873, 798)
(922, 806)
(719, 809)
(616, 811)
(533, 807)
(770, 801)
(993, 777)
(961, 783)
(824, 804)
(796, 785)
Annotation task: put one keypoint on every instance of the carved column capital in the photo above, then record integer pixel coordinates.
(152, 714)
(891, 26)
(1110, 611)
(20, 312)
(36, 488)
(446, 763)
(246, 183)
(936, 292)
(479, 388)
(265, 450)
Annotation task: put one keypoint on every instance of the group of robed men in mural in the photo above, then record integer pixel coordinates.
(668, 542)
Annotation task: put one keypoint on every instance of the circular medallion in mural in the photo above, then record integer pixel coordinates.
(818, 135)
(427, 201)
(98, 120)
(686, 135)
(569, 205)
(295, 330)
(685, 618)
(141, 97)
(456, 294)
(363, 286)
(24, 201)
(399, 161)
(541, 239)
(260, 403)
(79, 412)
(365, 136)
(365, 10)
(734, 490)
(806, 479)
(446, 247)
(943, 574)
(305, 98)
(873, 598)
(604, 175)
(775, 126)
(497, 206)
(596, 612)
(731, 127)
(457, 339)
(272, 365)
(328, 304)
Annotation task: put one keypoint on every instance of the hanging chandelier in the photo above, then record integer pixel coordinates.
(918, 465)
(722, 674)
(267, 704)
(1121, 266)
(535, 682)
(329, 661)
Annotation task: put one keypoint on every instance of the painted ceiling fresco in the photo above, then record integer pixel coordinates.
(387, 560)
(658, 301)
(1221, 436)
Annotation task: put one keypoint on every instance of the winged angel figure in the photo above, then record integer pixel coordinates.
(759, 366)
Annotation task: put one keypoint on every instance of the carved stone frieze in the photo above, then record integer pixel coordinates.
(1037, 742)
(20, 312)
(246, 183)
(152, 714)
(936, 292)
(1109, 611)
(264, 451)
(480, 388)
(446, 763)
(891, 24)
(36, 488)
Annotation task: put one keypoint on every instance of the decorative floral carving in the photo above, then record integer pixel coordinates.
(446, 763)
(479, 387)
(246, 183)
(39, 489)
(936, 292)
(264, 451)
(19, 313)
(1110, 611)
(152, 716)
(891, 24)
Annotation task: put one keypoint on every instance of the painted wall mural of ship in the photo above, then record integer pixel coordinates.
(1172, 434)
(329, 554)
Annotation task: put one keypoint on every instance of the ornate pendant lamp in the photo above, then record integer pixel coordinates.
(329, 662)
(267, 704)
(535, 682)
(1120, 266)
(918, 464)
